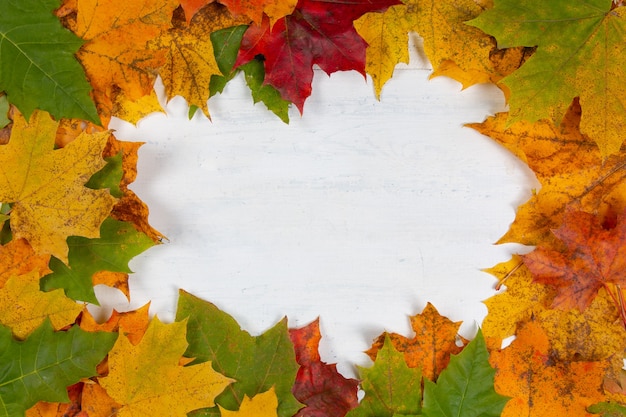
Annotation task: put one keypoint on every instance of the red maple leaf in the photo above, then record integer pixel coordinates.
(594, 256)
(317, 32)
(318, 385)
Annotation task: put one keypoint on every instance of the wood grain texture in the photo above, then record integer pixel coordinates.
(359, 212)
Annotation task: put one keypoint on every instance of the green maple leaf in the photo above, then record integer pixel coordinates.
(4, 111)
(118, 243)
(392, 389)
(41, 367)
(226, 44)
(38, 69)
(580, 53)
(608, 409)
(109, 177)
(256, 363)
(465, 387)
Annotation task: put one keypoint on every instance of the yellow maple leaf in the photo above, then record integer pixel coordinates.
(148, 378)
(190, 60)
(261, 405)
(23, 306)
(46, 186)
(134, 110)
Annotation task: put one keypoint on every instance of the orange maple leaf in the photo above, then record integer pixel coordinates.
(594, 256)
(134, 323)
(435, 340)
(17, 258)
(539, 384)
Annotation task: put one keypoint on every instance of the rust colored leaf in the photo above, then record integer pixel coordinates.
(435, 340)
(593, 257)
(570, 169)
(318, 385)
(191, 7)
(18, 258)
(97, 403)
(133, 323)
(542, 386)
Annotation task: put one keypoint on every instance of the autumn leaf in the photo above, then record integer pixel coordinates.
(38, 69)
(608, 409)
(18, 258)
(541, 385)
(57, 409)
(118, 243)
(97, 403)
(190, 60)
(178, 389)
(570, 169)
(23, 307)
(261, 405)
(116, 54)
(255, 9)
(191, 7)
(465, 387)
(47, 185)
(42, 366)
(453, 48)
(256, 363)
(580, 51)
(133, 323)
(430, 349)
(318, 385)
(317, 32)
(132, 111)
(594, 257)
(391, 387)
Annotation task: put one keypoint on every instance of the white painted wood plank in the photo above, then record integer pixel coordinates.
(359, 212)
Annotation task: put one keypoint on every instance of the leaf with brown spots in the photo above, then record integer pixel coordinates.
(435, 340)
(17, 258)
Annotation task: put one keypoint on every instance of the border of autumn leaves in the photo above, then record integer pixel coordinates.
(570, 346)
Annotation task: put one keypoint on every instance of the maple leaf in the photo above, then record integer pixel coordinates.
(178, 389)
(23, 307)
(47, 185)
(190, 61)
(71, 409)
(391, 387)
(18, 258)
(465, 387)
(430, 349)
(580, 51)
(42, 366)
(608, 409)
(594, 257)
(261, 405)
(539, 384)
(118, 243)
(570, 169)
(97, 403)
(132, 111)
(133, 323)
(318, 385)
(116, 54)
(256, 9)
(38, 69)
(317, 32)
(256, 363)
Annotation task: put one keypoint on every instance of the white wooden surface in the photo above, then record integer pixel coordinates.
(358, 212)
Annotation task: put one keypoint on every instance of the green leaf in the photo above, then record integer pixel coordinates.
(255, 75)
(225, 46)
(38, 69)
(118, 243)
(4, 111)
(391, 387)
(109, 177)
(256, 363)
(608, 409)
(580, 53)
(5, 226)
(41, 367)
(465, 387)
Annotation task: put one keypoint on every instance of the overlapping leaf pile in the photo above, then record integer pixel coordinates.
(68, 220)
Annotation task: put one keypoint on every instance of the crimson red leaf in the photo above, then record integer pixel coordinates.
(317, 32)
(318, 385)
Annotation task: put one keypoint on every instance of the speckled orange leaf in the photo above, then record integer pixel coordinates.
(542, 386)
(178, 389)
(17, 258)
(190, 60)
(23, 306)
(435, 340)
(570, 169)
(264, 404)
(117, 280)
(191, 7)
(254, 9)
(594, 257)
(97, 403)
(522, 299)
(47, 185)
(134, 323)
(116, 54)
